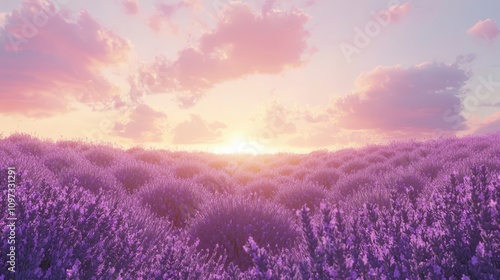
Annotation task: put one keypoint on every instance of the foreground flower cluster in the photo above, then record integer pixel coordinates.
(407, 210)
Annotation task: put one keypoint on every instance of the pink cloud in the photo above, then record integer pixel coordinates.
(164, 16)
(316, 118)
(197, 131)
(3, 18)
(486, 30)
(417, 99)
(253, 43)
(131, 6)
(53, 59)
(144, 124)
(399, 11)
(243, 43)
(395, 13)
(155, 22)
(267, 6)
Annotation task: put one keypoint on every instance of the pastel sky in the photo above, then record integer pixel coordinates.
(249, 76)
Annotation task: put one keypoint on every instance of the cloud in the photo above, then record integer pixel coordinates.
(486, 30)
(164, 14)
(3, 18)
(267, 6)
(398, 12)
(50, 58)
(420, 98)
(242, 43)
(393, 14)
(488, 125)
(312, 117)
(250, 43)
(278, 120)
(144, 124)
(197, 131)
(131, 7)
(465, 59)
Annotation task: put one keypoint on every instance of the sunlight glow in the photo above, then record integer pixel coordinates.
(240, 145)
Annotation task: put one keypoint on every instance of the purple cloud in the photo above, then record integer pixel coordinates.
(417, 99)
(486, 30)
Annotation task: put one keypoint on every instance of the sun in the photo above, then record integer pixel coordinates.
(240, 145)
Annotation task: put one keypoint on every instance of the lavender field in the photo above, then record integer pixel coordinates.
(407, 210)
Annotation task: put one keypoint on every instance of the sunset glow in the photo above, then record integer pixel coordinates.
(240, 146)
(289, 75)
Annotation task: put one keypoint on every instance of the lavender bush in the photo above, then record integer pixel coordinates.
(101, 156)
(226, 223)
(177, 200)
(263, 187)
(133, 175)
(296, 194)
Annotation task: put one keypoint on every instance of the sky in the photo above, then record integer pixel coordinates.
(257, 76)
